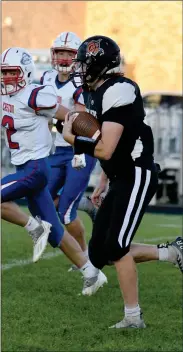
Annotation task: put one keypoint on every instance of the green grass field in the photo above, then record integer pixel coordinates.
(42, 311)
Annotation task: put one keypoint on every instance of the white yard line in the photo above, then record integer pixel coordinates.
(178, 226)
(22, 262)
(156, 239)
(169, 218)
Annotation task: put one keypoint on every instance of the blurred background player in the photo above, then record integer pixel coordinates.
(69, 173)
(27, 108)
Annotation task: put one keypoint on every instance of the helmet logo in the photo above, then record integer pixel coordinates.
(26, 59)
(93, 48)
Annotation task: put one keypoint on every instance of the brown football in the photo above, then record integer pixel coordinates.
(85, 125)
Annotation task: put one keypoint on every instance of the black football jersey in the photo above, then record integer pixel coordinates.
(119, 100)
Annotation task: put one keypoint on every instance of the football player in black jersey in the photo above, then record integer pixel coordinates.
(117, 103)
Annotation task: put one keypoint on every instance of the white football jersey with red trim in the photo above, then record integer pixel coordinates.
(68, 94)
(25, 117)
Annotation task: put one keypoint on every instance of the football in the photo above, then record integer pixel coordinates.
(85, 125)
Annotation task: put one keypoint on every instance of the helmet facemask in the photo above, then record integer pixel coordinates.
(12, 79)
(17, 70)
(61, 64)
(89, 72)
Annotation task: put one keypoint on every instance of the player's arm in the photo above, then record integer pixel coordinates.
(116, 107)
(110, 135)
(43, 82)
(43, 100)
(62, 111)
(79, 161)
(78, 105)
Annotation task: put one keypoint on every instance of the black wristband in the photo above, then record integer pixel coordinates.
(84, 145)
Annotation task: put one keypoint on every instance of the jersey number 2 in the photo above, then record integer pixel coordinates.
(8, 120)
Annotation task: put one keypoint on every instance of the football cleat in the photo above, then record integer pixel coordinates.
(177, 245)
(40, 238)
(175, 252)
(130, 322)
(91, 285)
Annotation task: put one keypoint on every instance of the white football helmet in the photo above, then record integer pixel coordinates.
(67, 41)
(20, 62)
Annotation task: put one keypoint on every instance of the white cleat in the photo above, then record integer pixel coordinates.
(91, 285)
(130, 322)
(40, 239)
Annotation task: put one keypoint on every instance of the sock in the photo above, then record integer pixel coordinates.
(163, 254)
(88, 270)
(132, 312)
(31, 225)
(85, 205)
(86, 253)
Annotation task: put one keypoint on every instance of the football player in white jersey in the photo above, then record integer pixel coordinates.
(27, 108)
(64, 176)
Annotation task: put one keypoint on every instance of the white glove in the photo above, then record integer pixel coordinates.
(78, 162)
